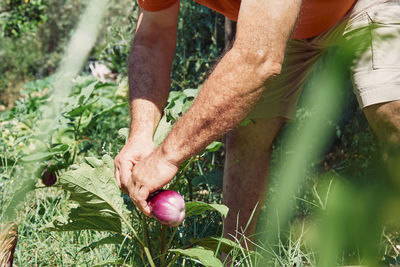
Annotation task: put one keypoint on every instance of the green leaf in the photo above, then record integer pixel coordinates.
(173, 95)
(78, 111)
(39, 156)
(104, 112)
(246, 122)
(163, 129)
(83, 81)
(86, 119)
(98, 202)
(108, 161)
(86, 92)
(209, 178)
(214, 146)
(123, 133)
(174, 109)
(63, 136)
(205, 256)
(114, 239)
(187, 105)
(198, 208)
(191, 92)
(59, 147)
(94, 162)
(210, 242)
(178, 103)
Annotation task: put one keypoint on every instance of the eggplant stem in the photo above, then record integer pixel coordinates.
(145, 248)
(162, 244)
(146, 234)
(171, 239)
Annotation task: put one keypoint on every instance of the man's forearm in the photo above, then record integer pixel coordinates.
(225, 100)
(149, 83)
(236, 83)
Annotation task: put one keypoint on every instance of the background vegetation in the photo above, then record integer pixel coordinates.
(342, 203)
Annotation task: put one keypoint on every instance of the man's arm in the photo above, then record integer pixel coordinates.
(236, 84)
(149, 83)
(228, 95)
(150, 67)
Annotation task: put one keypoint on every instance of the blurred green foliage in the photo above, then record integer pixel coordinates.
(36, 47)
(20, 16)
(31, 46)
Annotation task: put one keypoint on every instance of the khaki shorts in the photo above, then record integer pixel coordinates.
(375, 70)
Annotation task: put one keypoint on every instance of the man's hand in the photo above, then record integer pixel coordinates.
(148, 175)
(140, 170)
(150, 64)
(133, 152)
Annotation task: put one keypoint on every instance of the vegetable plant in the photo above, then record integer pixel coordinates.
(95, 201)
(168, 207)
(99, 205)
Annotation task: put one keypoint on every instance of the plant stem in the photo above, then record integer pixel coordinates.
(148, 254)
(162, 244)
(146, 233)
(219, 243)
(173, 260)
(145, 248)
(170, 239)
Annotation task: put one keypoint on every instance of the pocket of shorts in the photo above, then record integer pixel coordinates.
(385, 36)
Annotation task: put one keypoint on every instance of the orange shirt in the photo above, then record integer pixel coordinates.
(316, 16)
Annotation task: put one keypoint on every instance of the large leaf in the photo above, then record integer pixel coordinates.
(39, 156)
(222, 244)
(163, 129)
(179, 102)
(198, 208)
(114, 239)
(204, 256)
(98, 202)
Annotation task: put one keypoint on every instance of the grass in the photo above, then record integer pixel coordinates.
(37, 247)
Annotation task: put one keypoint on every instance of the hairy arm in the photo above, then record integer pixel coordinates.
(235, 85)
(149, 69)
(149, 83)
(227, 96)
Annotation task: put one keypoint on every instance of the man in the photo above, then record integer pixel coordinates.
(258, 79)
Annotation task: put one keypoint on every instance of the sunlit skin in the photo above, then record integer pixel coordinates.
(226, 98)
